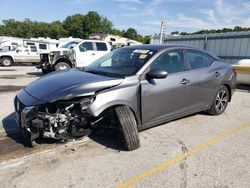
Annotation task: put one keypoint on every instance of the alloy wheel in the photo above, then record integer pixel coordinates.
(6, 62)
(221, 100)
(63, 67)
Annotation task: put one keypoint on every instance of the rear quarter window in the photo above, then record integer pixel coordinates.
(209, 60)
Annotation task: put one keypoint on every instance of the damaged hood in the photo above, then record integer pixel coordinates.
(69, 84)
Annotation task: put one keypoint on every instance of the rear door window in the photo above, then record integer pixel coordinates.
(101, 46)
(197, 60)
(86, 46)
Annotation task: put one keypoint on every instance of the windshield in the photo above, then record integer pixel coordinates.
(70, 45)
(121, 62)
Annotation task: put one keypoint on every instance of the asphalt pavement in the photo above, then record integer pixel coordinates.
(196, 151)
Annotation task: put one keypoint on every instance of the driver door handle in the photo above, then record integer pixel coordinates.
(184, 81)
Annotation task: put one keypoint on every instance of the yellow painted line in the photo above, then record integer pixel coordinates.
(171, 162)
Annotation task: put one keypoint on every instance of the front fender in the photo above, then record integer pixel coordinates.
(120, 95)
(96, 111)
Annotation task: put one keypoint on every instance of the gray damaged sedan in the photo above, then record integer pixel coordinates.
(130, 89)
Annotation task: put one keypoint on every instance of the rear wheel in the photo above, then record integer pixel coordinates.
(128, 127)
(6, 61)
(220, 102)
(62, 66)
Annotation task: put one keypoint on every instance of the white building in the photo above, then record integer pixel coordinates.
(10, 43)
(115, 40)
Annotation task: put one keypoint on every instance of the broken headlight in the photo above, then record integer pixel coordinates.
(85, 102)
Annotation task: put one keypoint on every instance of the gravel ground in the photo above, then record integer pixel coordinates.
(100, 161)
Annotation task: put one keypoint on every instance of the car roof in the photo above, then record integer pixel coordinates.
(159, 47)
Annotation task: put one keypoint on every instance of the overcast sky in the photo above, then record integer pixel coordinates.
(143, 15)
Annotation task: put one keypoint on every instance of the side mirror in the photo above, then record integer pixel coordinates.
(156, 74)
(17, 51)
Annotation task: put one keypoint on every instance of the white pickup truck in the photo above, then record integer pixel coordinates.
(22, 54)
(73, 54)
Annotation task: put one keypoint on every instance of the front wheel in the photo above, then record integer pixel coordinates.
(6, 61)
(220, 102)
(45, 71)
(62, 66)
(128, 126)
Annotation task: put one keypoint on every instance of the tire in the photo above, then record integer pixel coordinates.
(62, 66)
(34, 144)
(220, 101)
(128, 127)
(6, 61)
(28, 141)
(45, 71)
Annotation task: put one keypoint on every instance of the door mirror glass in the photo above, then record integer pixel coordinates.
(156, 74)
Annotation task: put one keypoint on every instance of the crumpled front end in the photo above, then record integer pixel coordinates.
(45, 60)
(58, 120)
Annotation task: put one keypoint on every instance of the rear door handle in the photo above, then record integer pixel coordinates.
(217, 74)
(184, 81)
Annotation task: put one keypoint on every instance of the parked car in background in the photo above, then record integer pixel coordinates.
(242, 68)
(74, 54)
(130, 89)
(22, 54)
(55, 59)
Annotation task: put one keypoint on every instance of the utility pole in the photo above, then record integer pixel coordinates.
(162, 32)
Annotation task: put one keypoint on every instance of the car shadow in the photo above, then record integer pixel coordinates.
(245, 88)
(24, 64)
(37, 74)
(106, 137)
(109, 138)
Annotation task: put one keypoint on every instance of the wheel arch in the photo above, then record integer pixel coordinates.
(112, 105)
(229, 88)
(8, 57)
(63, 59)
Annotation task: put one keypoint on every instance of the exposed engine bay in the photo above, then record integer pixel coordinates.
(58, 120)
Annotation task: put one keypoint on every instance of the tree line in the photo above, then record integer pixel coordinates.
(77, 26)
(211, 31)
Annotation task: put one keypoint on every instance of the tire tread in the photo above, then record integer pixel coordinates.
(129, 127)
